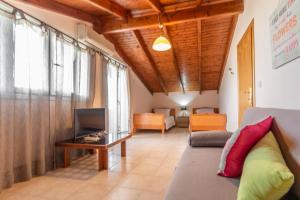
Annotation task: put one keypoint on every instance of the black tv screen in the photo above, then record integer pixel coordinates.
(88, 121)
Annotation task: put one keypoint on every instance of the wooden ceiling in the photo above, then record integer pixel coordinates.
(200, 32)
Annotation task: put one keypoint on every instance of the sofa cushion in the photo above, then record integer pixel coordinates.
(265, 174)
(209, 138)
(286, 129)
(195, 177)
(239, 145)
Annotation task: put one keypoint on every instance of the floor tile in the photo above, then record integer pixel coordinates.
(143, 175)
(123, 194)
(90, 192)
(150, 196)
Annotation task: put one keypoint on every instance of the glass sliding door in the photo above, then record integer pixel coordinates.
(118, 98)
(112, 92)
(123, 100)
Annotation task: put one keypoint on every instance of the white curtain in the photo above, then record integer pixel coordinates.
(112, 90)
(123, 96)
(31, 64)
(118, 101)
(6, 94)
(24, 100)
(43, 76)
(72, 80)
(7, 49)
(62, 67)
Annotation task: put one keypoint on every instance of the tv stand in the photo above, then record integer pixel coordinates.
(102, 145)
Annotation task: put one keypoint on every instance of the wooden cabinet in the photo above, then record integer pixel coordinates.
(183, 121)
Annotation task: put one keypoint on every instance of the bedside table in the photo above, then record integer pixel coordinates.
(183, 121)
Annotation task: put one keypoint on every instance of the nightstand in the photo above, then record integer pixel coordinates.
(183, 121)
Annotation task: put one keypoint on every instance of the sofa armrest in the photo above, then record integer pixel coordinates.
(209, 138)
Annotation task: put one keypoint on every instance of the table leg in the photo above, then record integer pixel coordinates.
(123, 148)
(102, 159)
(66, 157)
(92, 151)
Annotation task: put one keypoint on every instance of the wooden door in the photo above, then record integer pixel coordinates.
(246, 71)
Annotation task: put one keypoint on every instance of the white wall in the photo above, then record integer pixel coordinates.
(274, 88)
(191, 99)
(141, 98)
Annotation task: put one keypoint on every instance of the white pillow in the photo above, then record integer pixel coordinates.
(205, 111)
(164, 111)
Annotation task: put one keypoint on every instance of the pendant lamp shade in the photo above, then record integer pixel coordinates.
(161, 44)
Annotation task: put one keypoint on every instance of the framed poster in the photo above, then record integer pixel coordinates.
(285, 32)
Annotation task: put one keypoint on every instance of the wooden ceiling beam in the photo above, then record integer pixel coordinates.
(61, 9)
(109, 7)
(166, 9)
(199, 13)
(155, 4)
(230, 38)
(142, 44)
(199, 29)
(209, 2)
(175, 61)
(122, 54)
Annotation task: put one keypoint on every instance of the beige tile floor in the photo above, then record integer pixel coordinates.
(143, 175)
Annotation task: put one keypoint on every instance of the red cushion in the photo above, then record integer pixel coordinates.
(246, 139)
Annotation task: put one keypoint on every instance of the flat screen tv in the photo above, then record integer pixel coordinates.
(88, 121)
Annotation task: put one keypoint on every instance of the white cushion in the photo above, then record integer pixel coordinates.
(164, 111)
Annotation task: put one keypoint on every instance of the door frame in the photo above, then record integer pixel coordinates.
(250, 27)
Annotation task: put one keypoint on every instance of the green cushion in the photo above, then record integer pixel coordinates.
(265, 174)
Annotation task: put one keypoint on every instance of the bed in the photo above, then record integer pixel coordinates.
(207, 119)
(160, 119)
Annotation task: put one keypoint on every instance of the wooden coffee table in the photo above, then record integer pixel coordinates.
(102, 146)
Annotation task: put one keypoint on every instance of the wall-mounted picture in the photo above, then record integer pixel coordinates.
(285, 33)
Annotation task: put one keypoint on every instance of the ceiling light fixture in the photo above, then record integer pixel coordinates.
(161, 43)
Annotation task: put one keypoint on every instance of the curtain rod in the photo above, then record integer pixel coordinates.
(90, 46)
(105, 54)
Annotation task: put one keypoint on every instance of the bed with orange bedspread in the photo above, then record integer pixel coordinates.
(207, 121)
(153, 121)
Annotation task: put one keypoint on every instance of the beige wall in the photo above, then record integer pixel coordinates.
(192, 99)
(277, 88)
(141, 99)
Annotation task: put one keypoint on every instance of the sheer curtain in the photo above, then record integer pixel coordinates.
(112, 83)
(6, 99)
(118, 100)
(73, 75)
(43, 76)
(124, 100)
(24, 121)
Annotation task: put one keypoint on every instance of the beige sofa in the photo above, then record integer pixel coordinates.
(195, 176)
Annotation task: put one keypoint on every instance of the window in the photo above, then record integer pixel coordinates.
(63, 58)
(31, 57)
(112, 92)
(83, 73)
(118, 98)
(6, 53)
(123, 96)
(70, 64)
(37, 59)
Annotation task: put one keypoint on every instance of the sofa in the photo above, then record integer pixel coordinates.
(196, 178)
